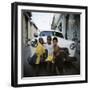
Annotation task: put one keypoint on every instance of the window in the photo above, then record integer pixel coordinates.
(60, 27)
(51, 33)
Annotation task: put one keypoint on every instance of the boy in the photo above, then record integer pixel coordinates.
(49, 60)
(58, 60)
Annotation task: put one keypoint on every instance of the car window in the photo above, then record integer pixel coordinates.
(46, 33)
(51, 33)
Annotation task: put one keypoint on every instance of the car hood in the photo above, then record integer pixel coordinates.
(64, 42)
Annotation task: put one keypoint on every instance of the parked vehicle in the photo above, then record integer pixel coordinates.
(62, 42)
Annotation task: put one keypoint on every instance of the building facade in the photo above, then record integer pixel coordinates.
(28, 27)
(68, 24)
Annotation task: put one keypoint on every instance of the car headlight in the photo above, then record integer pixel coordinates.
(34, 43)
(72, 46)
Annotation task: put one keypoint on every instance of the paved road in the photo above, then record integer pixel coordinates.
(29, 71)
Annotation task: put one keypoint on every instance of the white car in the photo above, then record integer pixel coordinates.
(62, 42)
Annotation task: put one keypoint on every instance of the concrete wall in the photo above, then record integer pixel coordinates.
(24, 29)
(28, 30)
(70, 26)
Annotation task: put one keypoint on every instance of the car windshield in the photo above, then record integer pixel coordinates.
(51, 33)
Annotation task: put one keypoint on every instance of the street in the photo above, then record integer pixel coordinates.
(69, 68)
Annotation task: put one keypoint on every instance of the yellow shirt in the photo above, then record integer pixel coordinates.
(50, 58)
(40, 50)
